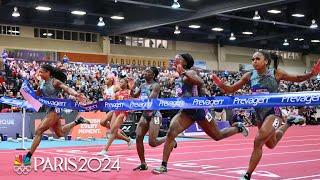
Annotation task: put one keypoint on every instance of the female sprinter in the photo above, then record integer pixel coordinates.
(52, 82)
(191, 85)
(109, 92)
(264, 79)
(118, 117)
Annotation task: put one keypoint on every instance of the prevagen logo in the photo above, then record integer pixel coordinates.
(173, 104)
(52, 102)
(142, 105)
(19, 167)
(91, 107)
(115, 105)
(254, 101)
(306, 99)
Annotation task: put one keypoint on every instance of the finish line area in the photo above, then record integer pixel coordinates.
(295, 157)
(159, 89)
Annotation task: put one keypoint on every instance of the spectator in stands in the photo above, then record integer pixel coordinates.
(87, 78)
(309, 114)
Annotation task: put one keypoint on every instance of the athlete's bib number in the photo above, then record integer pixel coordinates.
(156, 120)
(276, 123)
(209, 116)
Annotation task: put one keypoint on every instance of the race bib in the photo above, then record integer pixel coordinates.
(209, 116)
(156, 120)
(260, 91)
(276, 123)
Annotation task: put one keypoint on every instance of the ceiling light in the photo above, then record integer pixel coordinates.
(286, 43)
(298, 39)
(43, 8)
(232, 37)
(15, 12)
(101, 22)
(177, 31)
(80, 13)
(217, 29)
(313, 25)
(298, 15)
(247, 33)
(315, 41)
(47, 34)
(117, 17)
(13, 31)
(193, 26)
(274, 11)
(256, 15)
(175, 4)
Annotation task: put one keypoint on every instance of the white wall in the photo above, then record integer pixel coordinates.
(140, 51)
(199, 51)
(229, 59)
(311, 59)
(232, 56)
(293, 66)
(49, 45)
(27, 41)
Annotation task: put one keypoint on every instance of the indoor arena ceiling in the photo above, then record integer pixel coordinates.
(157, 19)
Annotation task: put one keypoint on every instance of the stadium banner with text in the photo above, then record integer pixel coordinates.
(31, 55)
(11, 124)
(81, 57)
(310, 98)
(95, 130)
(196, 130)
(138, 61)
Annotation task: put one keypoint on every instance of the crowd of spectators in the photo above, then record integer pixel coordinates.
(89, 79)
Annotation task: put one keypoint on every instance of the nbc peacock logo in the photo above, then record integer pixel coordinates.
(21, 167)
